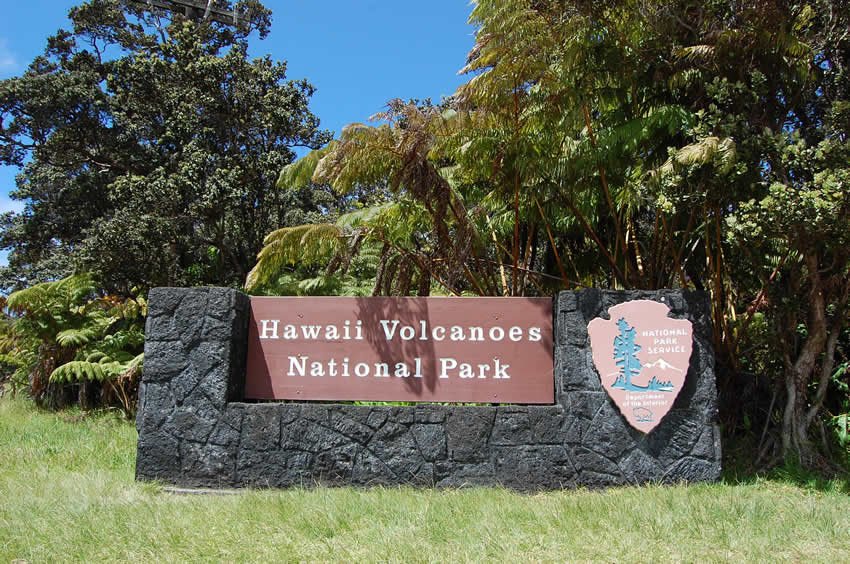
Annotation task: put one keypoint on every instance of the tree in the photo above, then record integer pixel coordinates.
(426, 233)
(702, 146)
(63, 332)
(625, 355)
(149, 146)
(646, 144)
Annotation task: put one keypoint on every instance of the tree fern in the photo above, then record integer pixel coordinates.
(707, 151)
(97, 367)
(307, 244)
(80, 370)
(63, 332)
(77, 337)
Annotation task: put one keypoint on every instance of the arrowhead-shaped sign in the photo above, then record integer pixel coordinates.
(642, 357)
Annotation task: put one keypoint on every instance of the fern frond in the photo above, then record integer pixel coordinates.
(96, 356)
(720, 152)
(302, 244)
(76, 337)
(81, 371)
(300, 173)
(14, 360)
(137, 361)
(363, 156)
(696, 53)
(97, 366)
(64, 293)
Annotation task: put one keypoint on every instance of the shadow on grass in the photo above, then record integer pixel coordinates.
(829, 476)
(802, 478)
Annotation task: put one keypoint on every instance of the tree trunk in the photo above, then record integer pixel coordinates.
(795, 436)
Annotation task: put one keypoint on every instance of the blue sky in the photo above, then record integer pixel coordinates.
(358, 53)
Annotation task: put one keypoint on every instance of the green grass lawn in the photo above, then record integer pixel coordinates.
(67, 493)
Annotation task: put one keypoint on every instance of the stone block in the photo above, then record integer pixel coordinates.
(190, 315)
(588, 460)
(346, 425)
(533, 467)
(511, 427)
(689, 469)
(431, 440)
(638, 467)
(162, 327)
(272, 468)
(163, 360)
(205, 464)
(335, 465)
(158, 395)
(377, 417)
(164, 301)
(429, 414)
(370, 470)
(566, 302)
(460, 475)
(193, 431)
(158, 457)
(608, 433)
(546, 424)
(707, 446)
(261, 427)
(468, 433)
(224, 304)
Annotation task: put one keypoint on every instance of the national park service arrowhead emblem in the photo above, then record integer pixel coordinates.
(642, 357)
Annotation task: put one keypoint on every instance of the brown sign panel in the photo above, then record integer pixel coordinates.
(487, 350)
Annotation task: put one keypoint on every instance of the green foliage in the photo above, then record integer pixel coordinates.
(842, 429)
(349, 252)
(386, 241)
(64, 332)
(97, 367)
(149, 146)
(634, 144)
(312, 243)
(841, 421)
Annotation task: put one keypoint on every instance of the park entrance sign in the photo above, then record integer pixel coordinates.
(489, 350)
(593, 388)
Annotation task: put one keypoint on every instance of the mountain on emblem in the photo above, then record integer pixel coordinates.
(638, 353)
(662, 364)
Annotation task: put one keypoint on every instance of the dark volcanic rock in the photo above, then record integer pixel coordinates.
(193, 432)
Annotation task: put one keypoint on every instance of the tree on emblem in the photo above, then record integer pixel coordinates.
(625, 355)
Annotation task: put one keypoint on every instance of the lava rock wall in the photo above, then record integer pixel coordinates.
(195, 430)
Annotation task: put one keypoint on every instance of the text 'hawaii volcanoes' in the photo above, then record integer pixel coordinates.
(401, 349)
